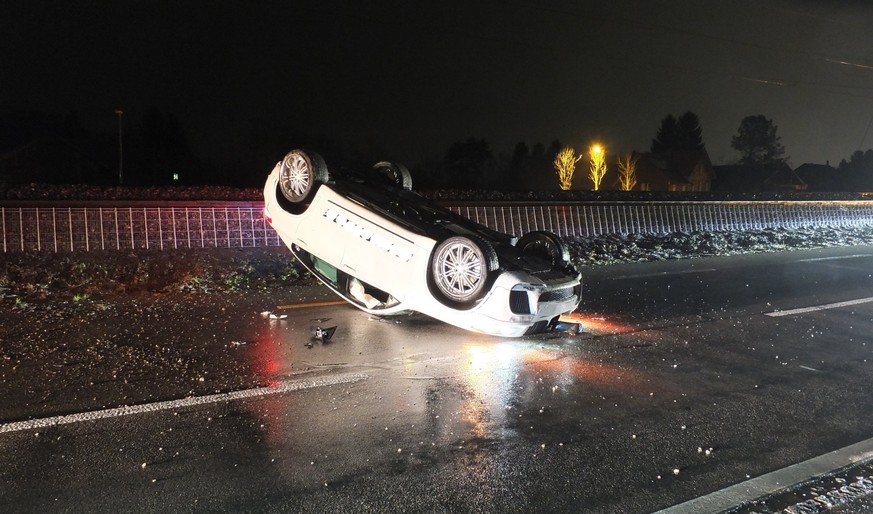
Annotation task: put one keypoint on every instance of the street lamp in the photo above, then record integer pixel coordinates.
(120, 113)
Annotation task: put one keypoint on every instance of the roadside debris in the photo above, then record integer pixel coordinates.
(569, 328)
(384, 319)
(324, 334)
(321, 335)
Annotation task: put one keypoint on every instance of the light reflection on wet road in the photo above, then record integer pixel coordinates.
(679, 386)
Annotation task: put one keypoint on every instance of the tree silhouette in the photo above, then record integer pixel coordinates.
(757, 142)
(530, 167)
(666, 137)
(20, 127)
(520, 154)
(554, 148)
(468, 163)
(160, 149)
(690, 133)
(857, 172)
(684, 133)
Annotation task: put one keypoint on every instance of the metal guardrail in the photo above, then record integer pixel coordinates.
(72, 229)
(596, 218)
(28, 227)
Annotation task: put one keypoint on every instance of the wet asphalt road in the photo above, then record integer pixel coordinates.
(680, 385)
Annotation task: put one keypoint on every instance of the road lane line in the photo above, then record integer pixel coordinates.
(857, 256)
(665, 273)
(312, 304)
(281, 387)
(814, 308)
(776, 481)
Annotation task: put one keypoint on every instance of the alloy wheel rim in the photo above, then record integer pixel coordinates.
(460, 270)
(298, 176)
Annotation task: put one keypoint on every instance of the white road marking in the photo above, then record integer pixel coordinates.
(808, 368)
(814, 308)
(857, 256)
(776, 481)
(282, 387)
(665, 273)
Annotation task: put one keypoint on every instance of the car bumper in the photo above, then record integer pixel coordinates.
(515, 308)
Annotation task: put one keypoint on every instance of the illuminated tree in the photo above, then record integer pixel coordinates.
(597, 168)
(627, 172)
(565, 165)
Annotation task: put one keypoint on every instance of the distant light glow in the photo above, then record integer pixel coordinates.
(763, 81)
(853, 64)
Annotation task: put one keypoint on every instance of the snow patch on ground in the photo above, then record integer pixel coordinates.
(834, 498)
(618, 248)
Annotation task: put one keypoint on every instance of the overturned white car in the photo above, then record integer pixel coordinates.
(387, 250)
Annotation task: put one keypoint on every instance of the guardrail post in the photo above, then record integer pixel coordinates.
(38, 238)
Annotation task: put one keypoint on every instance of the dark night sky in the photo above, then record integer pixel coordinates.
(413, 77)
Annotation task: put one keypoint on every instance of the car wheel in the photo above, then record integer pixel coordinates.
(546, 246)
(460, 268)
(300, 174)
(398, 174)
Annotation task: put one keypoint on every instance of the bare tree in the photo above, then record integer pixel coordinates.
(627, 171)
(597, 169)
(565, 165)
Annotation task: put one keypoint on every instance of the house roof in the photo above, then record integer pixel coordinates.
(750, 178)
(687, 162)
(809, 167)
(650, 169)
(820, 177)
(785, 177)
(679, 167)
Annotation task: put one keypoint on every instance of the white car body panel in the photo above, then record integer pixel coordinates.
(382, 253)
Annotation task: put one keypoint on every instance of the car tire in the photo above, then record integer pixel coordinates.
(300, 175)
(396, 173)
(544, 245)
(460, 267)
